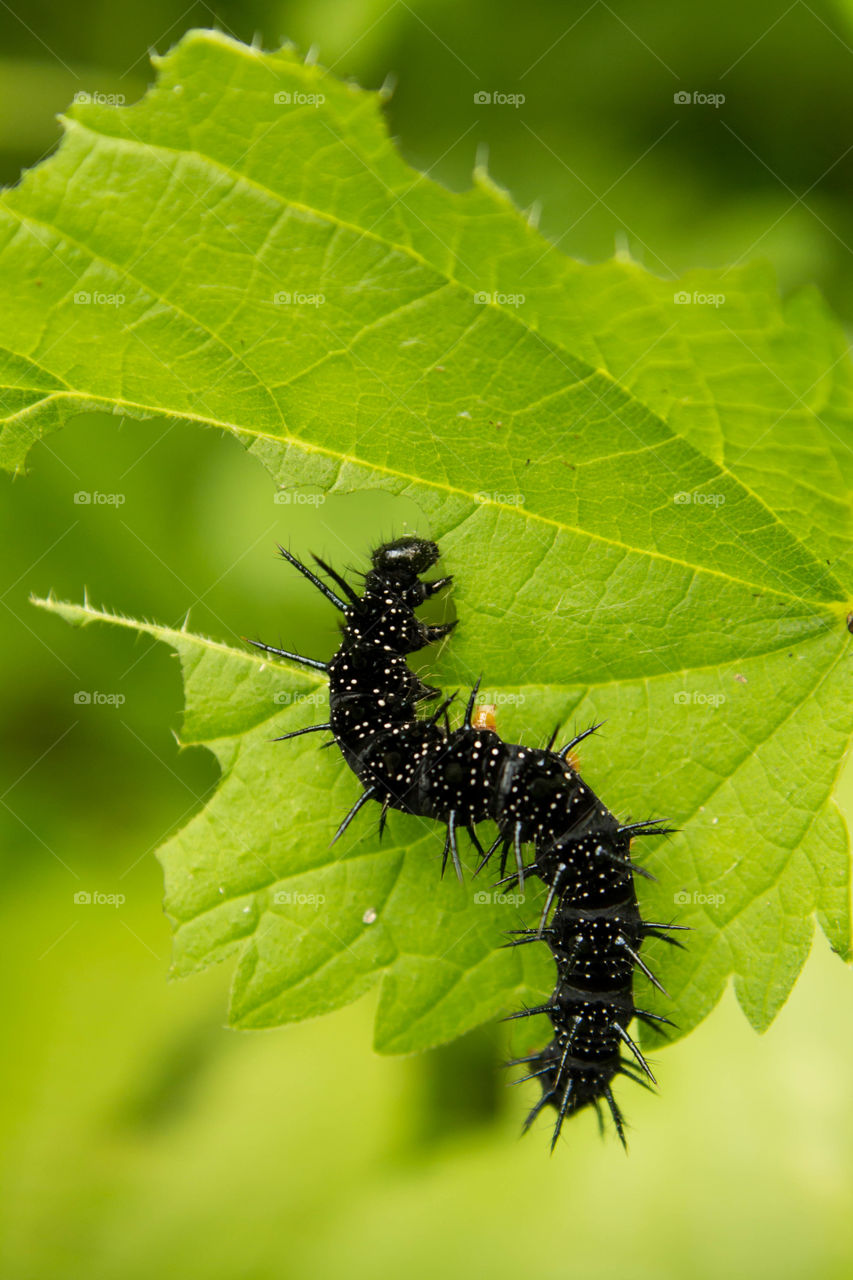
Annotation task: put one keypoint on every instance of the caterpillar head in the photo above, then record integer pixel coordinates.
(407, 557)
(397, 568)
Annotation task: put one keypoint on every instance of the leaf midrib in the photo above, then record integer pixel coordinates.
(87, 398)
(411, 252)
(170, 635)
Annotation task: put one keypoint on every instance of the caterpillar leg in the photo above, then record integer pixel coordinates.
(450, 846)
(627, 863)
(553, 890)
(285, 653)
(535, 1109)
(362, 800)
(514, 842)
(649, 827)
(527, 1013)
(312, 577)
(616, 1114)
(654, 1020)
(519, 861)
(469, 709)
(438, 584)
(561, 1114)
(297, 733)
(641, 964)
(442, 709)
(342, 583)
(438, 631)
(485, 858)
(469, 826)
(534, 1075)
(579, 737)
(625, 1070)
(635, 1049)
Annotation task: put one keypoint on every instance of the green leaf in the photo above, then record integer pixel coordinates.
(644, 499)
(253, 874)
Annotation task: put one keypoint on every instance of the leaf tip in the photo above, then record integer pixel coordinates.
(534, 213)
(622, 249)
(481, 163)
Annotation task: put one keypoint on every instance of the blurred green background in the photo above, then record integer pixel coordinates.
(140, 1136)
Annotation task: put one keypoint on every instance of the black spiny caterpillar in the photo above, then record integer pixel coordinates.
(419, 765)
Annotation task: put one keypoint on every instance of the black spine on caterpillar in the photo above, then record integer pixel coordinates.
(417, 764)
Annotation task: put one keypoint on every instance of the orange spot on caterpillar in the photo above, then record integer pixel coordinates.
(484, 717)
